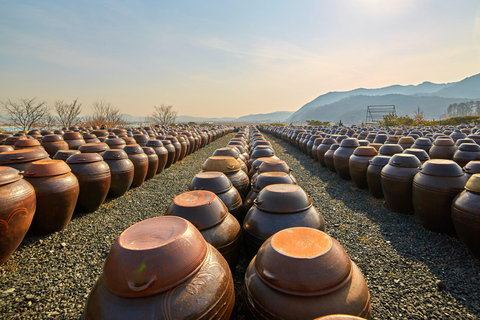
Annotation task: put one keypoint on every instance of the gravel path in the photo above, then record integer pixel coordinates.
(411, 273)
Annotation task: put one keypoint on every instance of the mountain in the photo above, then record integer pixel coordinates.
(278, 116)
(348, 106)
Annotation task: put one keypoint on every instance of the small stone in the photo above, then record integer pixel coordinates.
(441, 285)
(29, 297)
(63, 244)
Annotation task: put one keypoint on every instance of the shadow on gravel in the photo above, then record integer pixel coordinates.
(458, 273)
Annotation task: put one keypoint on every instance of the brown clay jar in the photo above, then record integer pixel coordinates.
(176, 145)
(57, 191)
(94, 147)
(152, 162)
(16, 212)
(94, 177)
(184, 147)
(211, 217)
(316, 145)
(466, 152)
(421, 154)
(116, 143)
(443, 148)
(358, 165)
(322, 149)
(265, 179)
(64, 154)
(28, 144)
(231, 168)
(397, 177)
(390, 149)
(434, 188)
(73, 139)
(422, 143)
(21, 159)
(273, 165)
(121, 171)
(232, 153)
(471, 168)
(171, 152)
(341, 157)
(406, 142)
(52, 143)
(329, 157)
(161, 152)
(140, 162)
(302, 273)
(466, 215)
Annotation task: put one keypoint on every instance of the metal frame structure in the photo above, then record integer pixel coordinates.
(375, 113)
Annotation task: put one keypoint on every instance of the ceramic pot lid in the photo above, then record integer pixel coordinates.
(214, 181)
(380, 161)
(472, 147)
(9, 175)
(72, 136)
(444, 141)
(4, 148)
(282, 198)
(390, 149)
(52, 138)
(22, 155)
(133, 149)
(227, 152)
(349, 143)
(64, 154)
(93, 147)
(404, 161)
(473, 184)
(22, 143)
(365, 151)
(148, 150)
(115, 142)
(421, 154)
(46, 168)
(273, 177)
(84, 158)
(223, 164)
(442, 168)
(114, 154)
(154, 143)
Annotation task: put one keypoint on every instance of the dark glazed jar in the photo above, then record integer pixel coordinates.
(152, 162)
(358, 165)
(218, 183)
(162, 268)
(434, 188)
(161, 152)
(57, 192)
(16, 212)
(406, 142)
(21, 159)
(94, 177)
(52, 143)
(471, 168)
(184, 147)
(74, 140)
(140, 162)
(329, 157)
(422, 143)
(466, 215)
(421, 154)
(177, 146)
(302, 273)
(265, 179)
(121, 171)
(466, 152)
(316, 145)
(211, 217)
(231, 168)
(390, 149)
(171, 152)
(397, 177)
(277, 207)
(342, 155)
(443, 148)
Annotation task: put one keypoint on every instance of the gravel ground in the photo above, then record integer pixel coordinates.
(411, 273)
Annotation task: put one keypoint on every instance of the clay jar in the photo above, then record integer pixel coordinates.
(73, 139)
(184, 147)
(161, 152)
(273, 165)
(316, 145)
(302, 273)
(342, 155)
(232, 153)
(231, 168)
(466, 152)
(422, 143)
(434, 188)
(64, 154)
(121, 170)
(421, 154)
(141, 139)
(322, 149)
(255, 165)
(116, 143)
(277, 207)
(471, 168)
(162, 268)
(329, 157)
(218, 183)
(140, 162)
(358, 165)
(52, 143)
(28, 144)
(21, 159)
(94, 147)
(406, 142)
(311, 143)
(16, 212)
(397, 177)
(94, 177)
(466, 215)
(171, 152)
(390, 149)
(90, 138)
(152, 162)
(211, 217)
(57, 192)
(265, 179)
(176, 145)
(443, 148)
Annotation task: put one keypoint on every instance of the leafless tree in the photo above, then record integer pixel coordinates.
(163, 115)
(48, 122)
(26, 114)
(418, 116)
(67, 113)
(104, 113)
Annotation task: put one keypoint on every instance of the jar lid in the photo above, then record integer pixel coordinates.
(334, 146)
(423, 142)
(270, 164)
(404, 161)
(407, 139)
(380, 160)
(421, 154)
(154, 143)
(27, 143)
(273, 177)
(442, 168)
(472, 147)
(4, 148)
(328, 141)
(22, 155)
(148, 150)
(390, 149)
(84, 158)
(114, 154)
(46, 168)
(9, 175)
(282, 198)
(262, 151)
(64, 154)
(473, 184)
(214, 181)
(133, 149)
(365, 151)
(52, 138)
(349, 143)
(201, 207)
(223, 164)
(444, 141)
(93, 147)
(165, 142)
(115, 142)
(72, 136)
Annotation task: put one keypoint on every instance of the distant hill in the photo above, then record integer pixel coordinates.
(279, 116)
(350, 106)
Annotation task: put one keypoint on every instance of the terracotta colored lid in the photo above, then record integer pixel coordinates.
(472, 147)
(93, 147)
(366, 151)
(133, 149)
(64, 154)
(129, 140)
(72, 136)
(22, 155)
(273, 177)
(114, 154)
(404, 161)
(473, 184)
(9, 175)
(282, 198)
(421, 154)
(52, 138)
(27, 143)
(100, 133)
(288, 259)
(84, 158)
(115, 142)
(148, 150)
(442, 168)
(154, 143)
(166, 142)
(380, 161)
(223, 164)
(201, 207)
(4, 148)
(46, 168)
(214, 181)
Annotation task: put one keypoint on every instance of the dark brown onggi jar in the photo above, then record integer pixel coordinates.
(329, 157)
(53, 143)
(177, 146)
(28, 144)
(94, 177)
(358, 165)
(57, 191)
(211, 217)
(341, 157)
(466, 215)
(466, 152)
(116, 143)
(21, 159)
(434, 188)
(162, 268)
(73, 139)
(406, 142)
(316, 144)
(471, 168)
(302, 273)
(161, 151)
(265, 179)
(16, 212)
(421, 154)
(397, 177)
(231, 168)
(277, 207)
(273, 165)
(141, 139)
(443, 148)
(121, 171)
(184, 147)
(152, 162)
(140, 162)
(390, 149)
(90, 138)
(232, 153)
(218, 183)
(171, 152)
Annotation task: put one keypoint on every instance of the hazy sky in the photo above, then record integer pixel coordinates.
(229, 58)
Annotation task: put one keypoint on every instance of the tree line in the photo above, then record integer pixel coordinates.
(27, 114)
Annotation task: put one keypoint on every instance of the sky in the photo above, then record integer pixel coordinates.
(226, 58)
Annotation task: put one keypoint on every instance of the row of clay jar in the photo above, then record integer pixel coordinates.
(41, 195)
(435, 189)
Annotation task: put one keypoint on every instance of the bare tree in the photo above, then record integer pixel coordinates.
(104, 114)
(163, 115)
(418, 116)
(26, 114)
(48, 122)
(67, 113)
